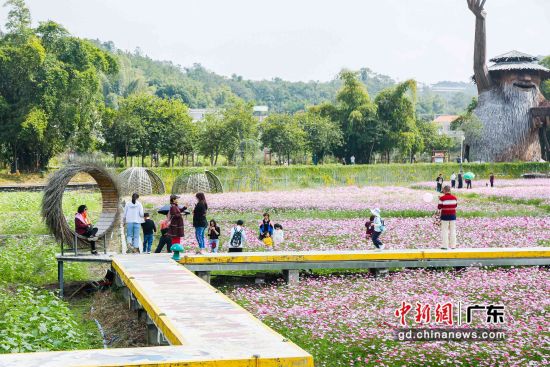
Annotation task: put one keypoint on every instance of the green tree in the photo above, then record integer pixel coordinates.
(282, 135)
(210, 137)
(396, 112)
(322, 135)
(49, 85)
(156, 126)
(240, 127)
(355, 114)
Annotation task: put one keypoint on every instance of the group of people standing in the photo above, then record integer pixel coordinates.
(460, 179)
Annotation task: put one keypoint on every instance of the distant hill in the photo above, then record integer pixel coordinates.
(200, 88)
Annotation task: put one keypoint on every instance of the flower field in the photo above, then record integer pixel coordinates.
(351, 198)
(349, 320)
(525, 189)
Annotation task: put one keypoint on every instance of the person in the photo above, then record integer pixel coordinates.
(369, 225)
(344, 161)
(265, 227)
(379, 227)
(468, 183)
(83, 226)
(199, 219)
(268, 242)
(492, 179)
(164, 239)
(214, 236)
(447, 207)
(460, 183)
(149, 228)
(175, 230)
(278, 235)
(133, 217)
(453, 180)
(439, 183)
(352, 159)
(237, 237)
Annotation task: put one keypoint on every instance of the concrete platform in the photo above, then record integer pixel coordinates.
(203, 326)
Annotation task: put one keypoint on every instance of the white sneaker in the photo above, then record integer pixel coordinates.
(382, 247)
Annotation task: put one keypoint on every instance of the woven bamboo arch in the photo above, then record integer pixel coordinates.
(197, 182)
(141, 180)
(52, 210)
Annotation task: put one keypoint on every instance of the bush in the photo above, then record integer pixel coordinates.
(31, 262)
(36, 320)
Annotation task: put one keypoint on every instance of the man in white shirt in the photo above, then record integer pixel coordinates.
(453, 180)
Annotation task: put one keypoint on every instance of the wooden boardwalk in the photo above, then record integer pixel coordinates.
(203, 326)
(367, 259)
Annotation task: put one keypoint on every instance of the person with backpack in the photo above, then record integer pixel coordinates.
(237, 239)
(379, 228)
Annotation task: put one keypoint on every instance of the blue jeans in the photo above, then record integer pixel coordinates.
(375, 240)
(147, 242)
(199, 235)
(132, 234)
(214, 245)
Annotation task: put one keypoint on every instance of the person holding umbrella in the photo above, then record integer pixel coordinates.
(175, 229)
(469, 176)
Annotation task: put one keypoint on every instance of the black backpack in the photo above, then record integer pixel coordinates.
(236, 240)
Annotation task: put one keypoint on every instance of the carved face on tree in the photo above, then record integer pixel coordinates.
(523, 80)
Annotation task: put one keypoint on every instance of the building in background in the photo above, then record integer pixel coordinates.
(197, 114)
(444, 122)
(260, 112)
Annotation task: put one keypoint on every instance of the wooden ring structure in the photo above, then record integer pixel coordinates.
(52, 208)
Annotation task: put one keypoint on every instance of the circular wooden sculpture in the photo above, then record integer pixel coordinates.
(197, 182)
(52, 209)
(141, 180)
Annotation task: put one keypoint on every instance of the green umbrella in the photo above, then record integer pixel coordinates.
(469, 176)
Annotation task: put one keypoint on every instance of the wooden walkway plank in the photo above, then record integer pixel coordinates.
(369, 255)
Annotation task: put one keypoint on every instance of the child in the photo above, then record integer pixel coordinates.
(378, 228)
(213, 236)
(149, 228)
(278, 235)
(237, 239)
(164, 238)
(370, 227)
(268, 242)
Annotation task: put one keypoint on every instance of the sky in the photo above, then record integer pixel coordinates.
(302, 40)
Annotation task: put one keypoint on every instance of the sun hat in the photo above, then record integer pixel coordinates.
(375, 211)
